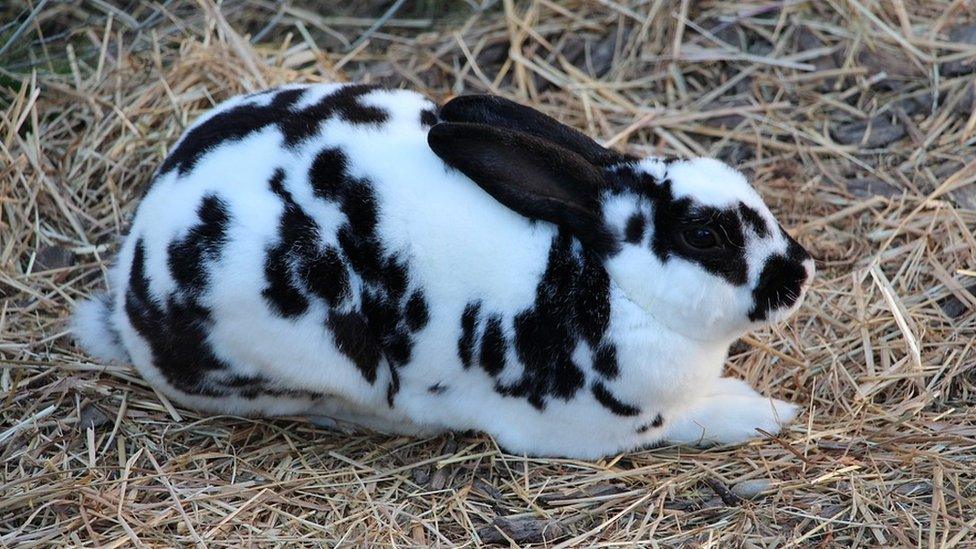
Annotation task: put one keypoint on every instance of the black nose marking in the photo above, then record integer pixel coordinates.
(779, 286)
(793, 249)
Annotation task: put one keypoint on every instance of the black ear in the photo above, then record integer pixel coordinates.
(531, 176)
(502, 113)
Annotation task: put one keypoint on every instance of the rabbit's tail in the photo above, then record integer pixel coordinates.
(92, 327)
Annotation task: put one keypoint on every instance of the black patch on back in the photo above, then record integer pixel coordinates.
(610, 402)
(752, 218)
(466, 342)
(295, 124)
(298, 126)
(428, 117)
(634, 231)
(778, 287)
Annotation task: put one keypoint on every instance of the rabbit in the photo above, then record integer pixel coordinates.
(368, 259)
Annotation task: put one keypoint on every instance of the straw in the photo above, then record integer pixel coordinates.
(854, 119)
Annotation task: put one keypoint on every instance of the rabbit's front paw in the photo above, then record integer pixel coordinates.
(729, 418)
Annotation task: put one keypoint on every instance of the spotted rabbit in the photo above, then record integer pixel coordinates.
(363, 257)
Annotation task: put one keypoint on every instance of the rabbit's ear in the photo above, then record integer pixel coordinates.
(533, 177)
(495, 111)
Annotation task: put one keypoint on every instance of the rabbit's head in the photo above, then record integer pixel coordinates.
(689, 241)
(698, 249)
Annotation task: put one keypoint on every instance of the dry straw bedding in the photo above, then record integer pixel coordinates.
(855, 118)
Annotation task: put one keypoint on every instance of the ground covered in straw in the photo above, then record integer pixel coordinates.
(855, 118)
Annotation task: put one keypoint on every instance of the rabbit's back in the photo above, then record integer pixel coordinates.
(304, 243)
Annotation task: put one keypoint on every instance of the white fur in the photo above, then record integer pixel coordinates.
(672, 322)
(95, 335)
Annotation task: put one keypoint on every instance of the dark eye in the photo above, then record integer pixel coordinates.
(701, 238)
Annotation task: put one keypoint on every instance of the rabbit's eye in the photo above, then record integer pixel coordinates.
(701, 238)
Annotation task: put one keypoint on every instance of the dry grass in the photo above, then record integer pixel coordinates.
(881, 355)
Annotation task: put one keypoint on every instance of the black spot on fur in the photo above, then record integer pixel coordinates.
(466, 342)
(428, 117)
(657, 423)
(437, 389)
(298, 267)
(417, 314)
(390, 315)
(188, 256)
(394, 276)
(572, 303)
(591, 289)
(176, 327)
(231, 125)
(324, 274)
(605, 361)
(392, 389)
(493, 346)
(353, 338)
(175, 330)
(610, 402)
(344, 103)
(295, 124)
(298, 236)
(779, 286)
(328, 173)
(634, 231)
(755, 221)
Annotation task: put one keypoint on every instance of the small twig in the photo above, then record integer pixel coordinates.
(377, 24)
(723, 492)
(23, 26)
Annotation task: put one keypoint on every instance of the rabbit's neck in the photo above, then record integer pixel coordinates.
(658, 364)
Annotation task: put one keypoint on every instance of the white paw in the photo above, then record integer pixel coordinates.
(733, 386)
(730, 419)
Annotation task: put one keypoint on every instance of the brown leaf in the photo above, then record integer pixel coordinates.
(528, 530)
(92, 416)
(867, 187)
(962, 34)
(53, 257)
(876, 132)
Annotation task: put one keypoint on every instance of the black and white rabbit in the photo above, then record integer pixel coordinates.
(363, 257)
